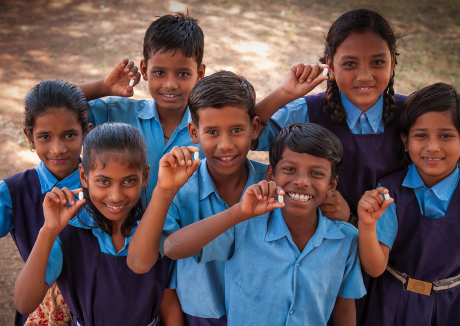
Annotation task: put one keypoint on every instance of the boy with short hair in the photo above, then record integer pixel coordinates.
(223, 123)
(295, 267)
(172, 64)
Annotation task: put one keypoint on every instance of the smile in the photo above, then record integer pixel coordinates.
(115, 209)
(432, 160)
(170, 95)
(299, 197)
(226, 159)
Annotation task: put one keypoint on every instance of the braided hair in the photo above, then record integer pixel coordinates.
(352, 21)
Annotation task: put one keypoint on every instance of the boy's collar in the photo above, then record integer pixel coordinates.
(149, 110)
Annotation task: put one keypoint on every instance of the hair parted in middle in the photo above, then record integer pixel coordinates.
(220, 89)
(307, 138)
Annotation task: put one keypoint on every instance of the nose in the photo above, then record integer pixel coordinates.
(302, 180)
(432, 144)
(115, 194)
(225, 142)
(58, 146)
(364, 73)
(170, 82)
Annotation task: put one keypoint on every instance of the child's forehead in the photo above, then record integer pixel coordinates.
(304, 160)
(228, 115)
(172, 58)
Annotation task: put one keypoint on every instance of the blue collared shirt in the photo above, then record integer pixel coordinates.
(47, 182)
(142, 114)
(200, 287)
(54, 267)
(433, 202)
(359, 122)
(268, 281)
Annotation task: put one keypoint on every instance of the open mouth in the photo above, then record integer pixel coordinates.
(432, 160)
(299, 197)
(226, 160)
(169, 97)
(115, 208)
(57, 161)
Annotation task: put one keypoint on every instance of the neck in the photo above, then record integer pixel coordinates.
(230, 186)
(301, 228)
(170, 118)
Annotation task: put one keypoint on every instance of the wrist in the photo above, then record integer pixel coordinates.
(105, 90)
(284, 95)
(49, 235)
(367, 226)
(240, 215)
(160, 193)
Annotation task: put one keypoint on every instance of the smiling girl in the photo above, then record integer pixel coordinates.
(410, 242)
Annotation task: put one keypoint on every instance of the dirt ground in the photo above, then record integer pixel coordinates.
(80, 41)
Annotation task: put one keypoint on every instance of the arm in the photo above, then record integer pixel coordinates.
(171, 310)
(189, 241)
(300, 80)
(335, 207)
(116, 83)
(373, 254)
(175, 169)
(30, 287)
(344, 312)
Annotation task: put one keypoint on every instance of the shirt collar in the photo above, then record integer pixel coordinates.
(48, 181)
(149, 110)
(278, 229)
(443, 189)
(374, 114)
(206, 184)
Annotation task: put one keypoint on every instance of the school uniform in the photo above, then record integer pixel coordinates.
(21, 208)
(370, 147)
(142, 114)
(96, 282)
(201, 287)
(422, 228)
(269, 281)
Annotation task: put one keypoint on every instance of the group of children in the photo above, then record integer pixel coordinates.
(224, 240)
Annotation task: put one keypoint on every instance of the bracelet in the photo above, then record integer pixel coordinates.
(263, 123)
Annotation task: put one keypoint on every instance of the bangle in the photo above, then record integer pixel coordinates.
(263, 123)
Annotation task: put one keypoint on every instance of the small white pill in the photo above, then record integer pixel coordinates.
(280, 199)
(325, 71)
(80, 195)
(196, 156)
(131, 82)
(387, 196)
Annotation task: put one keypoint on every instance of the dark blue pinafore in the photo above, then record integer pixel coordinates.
(27, 216)
(366, 157)
(197, 321)
(100, 289)
(425, 249)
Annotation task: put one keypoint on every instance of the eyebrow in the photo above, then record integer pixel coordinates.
(165, 68)
(106, 177)
(51, 132)
(296, 163)
(439, 129)
(383, 54)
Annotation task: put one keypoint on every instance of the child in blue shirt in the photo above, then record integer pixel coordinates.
(55, 126)
(287, 264)
(410, 242)
(172, 64)
(224, 124)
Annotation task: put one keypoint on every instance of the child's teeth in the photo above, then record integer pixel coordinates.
(300, 197)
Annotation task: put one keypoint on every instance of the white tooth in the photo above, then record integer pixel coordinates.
(301, 197)
(297, 196)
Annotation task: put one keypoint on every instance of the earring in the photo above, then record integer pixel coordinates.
(405, 149)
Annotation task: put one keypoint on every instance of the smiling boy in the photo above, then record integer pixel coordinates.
(292, 266)
(223, 124)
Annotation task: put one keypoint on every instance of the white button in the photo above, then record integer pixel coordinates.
(298, 263)
(363, 116)
(290, 312)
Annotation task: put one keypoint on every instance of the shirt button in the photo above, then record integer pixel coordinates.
(428, 192)
(363, 116)
(290, 312)
(58, 185)
(298, 263)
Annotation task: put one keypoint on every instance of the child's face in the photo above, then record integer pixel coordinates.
(58, 138)
(225, 137)
(115, 188)
(302, 174)
(433, 144)
(171, 78)
(362, 68)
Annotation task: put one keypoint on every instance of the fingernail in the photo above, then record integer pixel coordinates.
(308, 80)
(182, 162)
(189, 162)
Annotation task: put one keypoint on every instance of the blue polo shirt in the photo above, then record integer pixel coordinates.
(433, 202)
(268, 281)
(142, 114)
(201, 287)
(47, 182)
(54, 266)
(359, 122)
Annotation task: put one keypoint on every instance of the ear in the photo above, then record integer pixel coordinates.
(83, 176)
(145, 177)
(193, 132)
(144, 69)
(404, 140)
(89, 127)
(256, 122)
(393, 63)
(269, 175)
(29, 138)
(332, 186)
(201, 71)
(331, 67)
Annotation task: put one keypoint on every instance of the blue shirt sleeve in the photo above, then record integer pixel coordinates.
(6, 210)
(387, 226)
(54, 266)
(98, 111)
(352, 286)
(293, 112)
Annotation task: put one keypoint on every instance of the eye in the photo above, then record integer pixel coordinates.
(103, 182)
(420, 135)
(378, 62)
(183, 74)
(288, 169)
(446, 136)
(130, 181)
(318, 173)
(237, 130)
(159, 73)
(212, 132)
(349, 64)
(44, 137)
(70, 136)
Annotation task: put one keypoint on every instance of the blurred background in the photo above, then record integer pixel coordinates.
(80, 41)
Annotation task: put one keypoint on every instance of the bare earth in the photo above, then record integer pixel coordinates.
(80, 41)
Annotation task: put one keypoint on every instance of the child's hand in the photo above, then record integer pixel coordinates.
(335, 207)
(302, 79)
(259, 199)
(57, 213)
(117, 81)
(177, 167)
(372, 205)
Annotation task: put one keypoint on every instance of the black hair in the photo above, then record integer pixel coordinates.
(173, 32)
(358, 20)
(113, 141)
(439, 97)
(307, 138)
(220, 89)
(54, 95)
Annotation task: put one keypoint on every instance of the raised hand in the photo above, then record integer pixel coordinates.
(259, 199)
(302, 79)
(117, 81)
(57, 213)
(372, 205)
(177, 167)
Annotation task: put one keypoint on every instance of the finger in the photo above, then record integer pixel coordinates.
(169, 159)
(318, 80)
(325, 208)
(377, 194)
(133, 71)
(194, 167)
(177, 153)
(195, 150)
(373, 202)
(129, 66)
(364, 205)
(137, 78)
(187, 155)
(58, 192)
(280, 191)
(306, 72)
(69, 195)
(72, 210)
(52, 197)
(274, 205)
(257, 191)
(297, 68)
(313, 73)
(123, 62)
(264, 189)
(271, 191)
